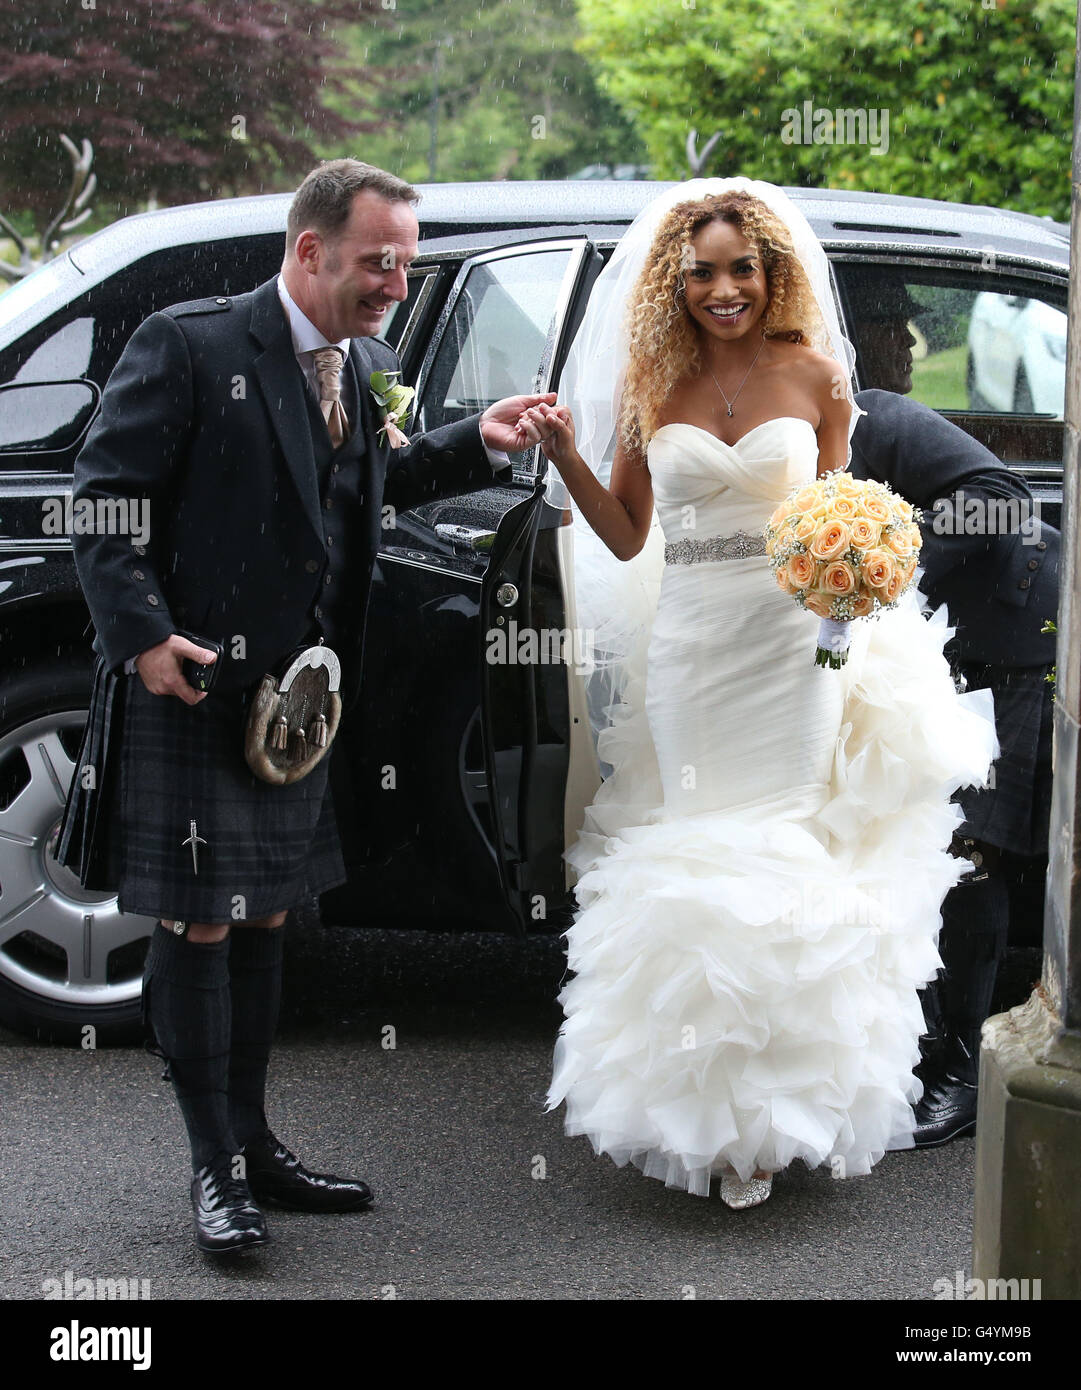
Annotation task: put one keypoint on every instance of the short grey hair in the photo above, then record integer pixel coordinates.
(323, 201)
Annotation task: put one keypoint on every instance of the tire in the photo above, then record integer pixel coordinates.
(69, 960)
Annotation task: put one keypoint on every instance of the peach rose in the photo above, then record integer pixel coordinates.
(820, 605)
(897, 541)
(832, 540)
(915, 536)
(893, 588)
(863, 605)
(879, 568)
(838, 578)
(903, 509)
(844, 481)
(805, 500)
(908, 569)
(801, 570)
(864, 533)
(875, 509)
(843, 508)
(805, 527)
(783, 581)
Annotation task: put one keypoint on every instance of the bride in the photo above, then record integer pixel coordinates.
(760, 876)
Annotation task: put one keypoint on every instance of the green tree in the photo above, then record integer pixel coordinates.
(499, 85)
(977, 100)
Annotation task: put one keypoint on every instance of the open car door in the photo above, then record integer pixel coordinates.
(456, 763)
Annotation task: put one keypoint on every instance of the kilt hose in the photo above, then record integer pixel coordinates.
(266, 848)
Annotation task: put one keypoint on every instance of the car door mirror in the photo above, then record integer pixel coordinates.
(45, 416)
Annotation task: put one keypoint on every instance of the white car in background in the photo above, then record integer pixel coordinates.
(1016, 356)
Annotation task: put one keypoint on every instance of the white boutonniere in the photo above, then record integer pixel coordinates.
(394, 401)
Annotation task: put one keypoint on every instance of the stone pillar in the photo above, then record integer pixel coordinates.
(1027, 1222)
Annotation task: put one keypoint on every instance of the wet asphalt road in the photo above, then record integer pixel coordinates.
(479, 1195)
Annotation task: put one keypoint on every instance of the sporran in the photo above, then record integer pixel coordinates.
(294, 716)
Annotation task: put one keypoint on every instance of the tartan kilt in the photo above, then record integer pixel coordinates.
(1015, 813)
(267, 847)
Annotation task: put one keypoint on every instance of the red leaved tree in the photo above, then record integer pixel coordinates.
(180, 99)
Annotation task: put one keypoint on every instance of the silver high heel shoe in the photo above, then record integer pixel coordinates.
(745, 1194)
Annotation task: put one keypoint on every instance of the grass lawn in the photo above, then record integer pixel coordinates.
(939, 380)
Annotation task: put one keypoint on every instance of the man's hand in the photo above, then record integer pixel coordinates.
(559, 444)
(507, 426)
(161, 672)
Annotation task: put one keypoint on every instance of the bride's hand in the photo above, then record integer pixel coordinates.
(558, 445)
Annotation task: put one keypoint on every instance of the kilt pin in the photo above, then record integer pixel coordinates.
(263, 537)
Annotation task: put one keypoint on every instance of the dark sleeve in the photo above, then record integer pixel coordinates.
(951, 540)
(950, 476)
(131, 456)
(442, 463)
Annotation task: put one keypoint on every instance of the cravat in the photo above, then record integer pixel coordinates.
(328, 371)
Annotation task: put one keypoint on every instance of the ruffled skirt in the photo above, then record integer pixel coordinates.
(760, 883)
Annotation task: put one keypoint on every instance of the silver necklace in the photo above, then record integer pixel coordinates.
(731, 403)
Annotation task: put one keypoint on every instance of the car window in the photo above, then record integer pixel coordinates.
(985, 347)
(63, 356)
(498, 339)
(87, 336)
(398, 316)
(104, 317)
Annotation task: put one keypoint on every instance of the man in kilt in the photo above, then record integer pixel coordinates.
(989, 557)
(249, 424)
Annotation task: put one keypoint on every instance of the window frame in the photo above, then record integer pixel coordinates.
(1013, 273)
(578, 247)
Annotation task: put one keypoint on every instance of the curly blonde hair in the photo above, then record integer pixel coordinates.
(662, 340)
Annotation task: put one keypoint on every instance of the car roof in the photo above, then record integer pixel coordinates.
(499, 211)
(447, 209)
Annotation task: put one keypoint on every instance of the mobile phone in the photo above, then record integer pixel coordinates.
(201, 675)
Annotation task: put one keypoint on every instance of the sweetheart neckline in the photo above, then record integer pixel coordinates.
(702, 429)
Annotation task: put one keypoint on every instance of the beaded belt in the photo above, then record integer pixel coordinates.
(695, 552)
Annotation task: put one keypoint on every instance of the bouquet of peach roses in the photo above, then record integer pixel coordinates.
(844, 548)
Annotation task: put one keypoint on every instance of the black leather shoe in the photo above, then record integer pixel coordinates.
(226, 1217)
(947, 1110)
(276, 1175)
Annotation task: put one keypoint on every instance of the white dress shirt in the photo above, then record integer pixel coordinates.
(307, 340)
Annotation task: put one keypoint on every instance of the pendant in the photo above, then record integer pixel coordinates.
(729, 410)
(195, 840)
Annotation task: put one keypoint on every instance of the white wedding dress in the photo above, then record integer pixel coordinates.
(760, 878)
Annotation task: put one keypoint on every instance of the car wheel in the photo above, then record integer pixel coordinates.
(70, 962)
(1022, 394)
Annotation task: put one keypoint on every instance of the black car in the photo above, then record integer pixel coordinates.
(461, 778)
